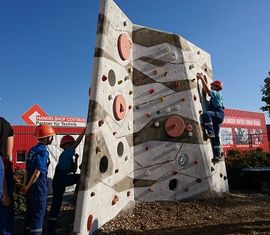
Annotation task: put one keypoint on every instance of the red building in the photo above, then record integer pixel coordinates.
(244, 130)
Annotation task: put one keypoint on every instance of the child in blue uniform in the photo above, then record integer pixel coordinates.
(213, 118)
(64, 176)
(7, 182)
(36, 183)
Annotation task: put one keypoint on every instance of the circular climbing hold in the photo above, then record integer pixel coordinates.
(120, 149)
(104, 78)
(189, 127)
(103, 164)
(194, 97)
(182, 159)
(89, 222)
(168, 110)
(147, 173)
(115, 200)
(128, 193)
(130, 125)
(130, 92)
(156, 124)
(190, 134)
(151, 91)
(174, 126)
(147, 114)
(124, 46)
(92, 194)
(119, 107)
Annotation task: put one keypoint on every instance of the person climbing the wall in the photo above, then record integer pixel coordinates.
(36, 183)
(64, 176)
(213, 118)
(7, 182)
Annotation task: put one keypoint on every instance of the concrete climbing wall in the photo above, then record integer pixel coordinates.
(144, 140)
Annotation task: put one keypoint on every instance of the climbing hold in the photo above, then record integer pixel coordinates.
(176, 108)
(190, 134)
(193, 80)
(100, 123)
(212, 169)
(168, 110)
(186, 189)
(182, 159)
(156, 124)
(110, 97)
(89, 222)
(130, 70)
(114, 133)
(177, 84)
(198, 180)
(200, 111)
(92, 194)
(129, 107)
(198, 52)
(119, 82)
(173, 56)
(191, 66)
(225, 177)
(116, 171)
(221, 175)
(194, 97)
(115, 200)
(176, 147)
(175, 173)
(205, 69)
(146, 148)
(128, 193)
(130, 125)
(151, 91)
(125, 23)
(162, 98)
(147, 114)
(119, 107)
(98, 138)
(151, 189)
(155, 72)
(174, 126)
(147, 173)
(158, 112)
(183, 99)
(126, 158)
(130, 92)
(189, 127)
(98, 150)
(127, 78)
(104, 78)
(195, 162)
(124, 46)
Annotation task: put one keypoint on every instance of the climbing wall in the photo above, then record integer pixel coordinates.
(144, 140)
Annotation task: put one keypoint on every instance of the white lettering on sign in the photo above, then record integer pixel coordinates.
(242, 121)
(61, 121)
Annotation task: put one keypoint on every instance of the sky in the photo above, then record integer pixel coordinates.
(47, 48)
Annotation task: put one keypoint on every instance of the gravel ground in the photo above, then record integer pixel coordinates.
(235, 213)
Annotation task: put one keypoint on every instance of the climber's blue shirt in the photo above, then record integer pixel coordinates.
(216, 101)
(66, 160)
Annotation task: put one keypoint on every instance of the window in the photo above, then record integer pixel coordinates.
(21, 156)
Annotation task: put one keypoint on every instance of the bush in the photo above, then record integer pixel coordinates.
(19, 199)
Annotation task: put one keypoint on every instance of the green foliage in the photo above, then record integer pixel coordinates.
(237, 159)
(266, 94)
(19, 199)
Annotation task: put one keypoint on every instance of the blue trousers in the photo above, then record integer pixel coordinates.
(36, 205)
(6, 219)
(60, 182)
(212, 121)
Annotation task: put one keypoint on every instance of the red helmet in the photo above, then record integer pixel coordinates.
(66, 139)
(43, 131)
(218, 83)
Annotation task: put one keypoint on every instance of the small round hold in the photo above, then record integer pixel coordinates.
(191, 66)
(110, 97)
(130, 70)
(104, 78)
(125, 23)
(162, 98)
(190, 134)
(147, 173)
(198, 52)
(127, 78)
(116, 171)
(130, 92)
(130, 107)
(221, 175)
(156, 124)
(120, 82)
(92, 194)
(158, 112)
(130, 125)
(128, 193)
(126, 158)
(147, 114)
(168, 110)
(98, 138)
(151, 91)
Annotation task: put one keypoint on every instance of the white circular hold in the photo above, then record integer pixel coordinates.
(182, 159)
(190, 134)
(130, 126)
(168, 110)
(157, 124)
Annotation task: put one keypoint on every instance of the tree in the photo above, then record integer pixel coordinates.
(266, 94)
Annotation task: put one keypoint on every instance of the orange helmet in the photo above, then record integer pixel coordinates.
(43, 131)
(218, 83)
(66, 139)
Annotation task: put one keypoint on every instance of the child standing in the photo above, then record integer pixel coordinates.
(64, 176)
(36, 183)
(213, 118)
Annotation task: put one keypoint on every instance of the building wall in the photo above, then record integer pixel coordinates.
(244, 130)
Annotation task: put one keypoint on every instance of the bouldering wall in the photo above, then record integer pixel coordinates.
(144, 140)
